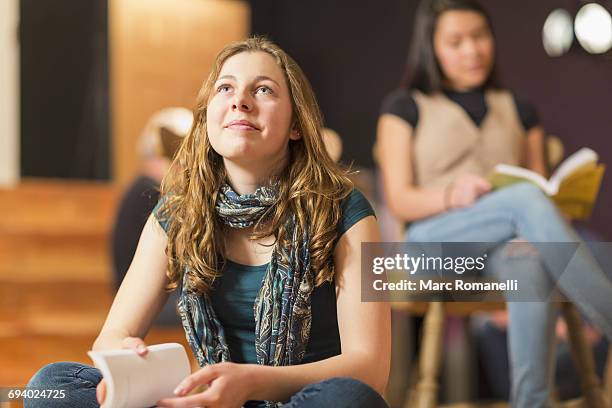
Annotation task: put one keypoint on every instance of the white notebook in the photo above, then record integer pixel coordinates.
(133, 381)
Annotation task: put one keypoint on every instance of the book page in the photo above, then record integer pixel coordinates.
(519, 173)
(578, 192)
(135, 381)
(579, 159)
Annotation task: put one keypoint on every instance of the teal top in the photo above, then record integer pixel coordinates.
(234, 293)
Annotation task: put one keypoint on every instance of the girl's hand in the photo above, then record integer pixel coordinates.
(229, 386)
(130, 343)
(465, 190)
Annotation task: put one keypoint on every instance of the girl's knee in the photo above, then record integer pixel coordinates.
(51, 375)
(348, 383)
(354, 392)
(74, 379)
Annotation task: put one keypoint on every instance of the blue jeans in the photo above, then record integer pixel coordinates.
(80, 383)
(522, 211)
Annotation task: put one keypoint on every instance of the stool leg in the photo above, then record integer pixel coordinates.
(583, 357)
(431, 356)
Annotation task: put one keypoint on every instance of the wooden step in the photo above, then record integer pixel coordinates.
(53, 308)
(48, 258)
(57, 230)
(58, 206)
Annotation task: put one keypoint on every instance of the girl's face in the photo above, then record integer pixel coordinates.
(249, 112)
(464, 48)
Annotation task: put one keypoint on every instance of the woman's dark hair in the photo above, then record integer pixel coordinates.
(423, 70)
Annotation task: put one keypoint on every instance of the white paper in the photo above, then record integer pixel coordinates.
(134, 381)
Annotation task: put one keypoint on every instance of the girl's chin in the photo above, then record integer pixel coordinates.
(235, 149)
(238, 156)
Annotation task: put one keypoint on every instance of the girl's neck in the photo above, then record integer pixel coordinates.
(246, 178)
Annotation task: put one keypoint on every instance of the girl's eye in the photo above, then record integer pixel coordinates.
(264, 90)
(223, 88)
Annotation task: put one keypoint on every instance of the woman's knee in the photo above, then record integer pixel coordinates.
(527, 195)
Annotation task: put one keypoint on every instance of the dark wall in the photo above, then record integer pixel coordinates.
(573, 93)
(64, 89)
(353, 53)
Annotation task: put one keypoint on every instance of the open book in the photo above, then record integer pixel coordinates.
(573, 186)
(133, 381)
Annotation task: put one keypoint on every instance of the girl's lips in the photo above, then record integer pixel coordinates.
(240, 126)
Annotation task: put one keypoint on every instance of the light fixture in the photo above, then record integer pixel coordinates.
(558, 33)
(593, 27)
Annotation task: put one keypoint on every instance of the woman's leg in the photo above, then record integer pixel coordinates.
(531, 340)
(337, 392)
(78, 381)
(522, 210)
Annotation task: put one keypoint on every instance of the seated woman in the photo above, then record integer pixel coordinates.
(440, 135)
(260, 232)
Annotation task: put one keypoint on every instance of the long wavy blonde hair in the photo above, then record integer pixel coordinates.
(311, 186)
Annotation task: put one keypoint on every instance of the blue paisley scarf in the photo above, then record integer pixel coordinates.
(282, 308)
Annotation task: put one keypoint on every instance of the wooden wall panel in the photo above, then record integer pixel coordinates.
(160, 52)
(57, 230)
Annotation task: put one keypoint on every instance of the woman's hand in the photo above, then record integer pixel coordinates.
(229, 386)
(130, 343)
(465, 190)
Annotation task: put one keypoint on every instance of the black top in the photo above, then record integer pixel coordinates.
(401, 103)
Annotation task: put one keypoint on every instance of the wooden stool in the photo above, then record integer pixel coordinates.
(425, 395)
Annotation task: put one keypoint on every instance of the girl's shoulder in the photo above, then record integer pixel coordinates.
(355, 207)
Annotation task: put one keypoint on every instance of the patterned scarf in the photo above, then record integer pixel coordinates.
(282, 307)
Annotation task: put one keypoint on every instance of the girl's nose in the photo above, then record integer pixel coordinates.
(241, 102)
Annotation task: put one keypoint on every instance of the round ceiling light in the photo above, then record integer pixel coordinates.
(558, 33)
(593, 26)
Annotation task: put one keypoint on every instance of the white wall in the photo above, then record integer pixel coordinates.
(9, 92)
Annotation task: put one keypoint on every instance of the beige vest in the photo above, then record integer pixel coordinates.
(447, 143)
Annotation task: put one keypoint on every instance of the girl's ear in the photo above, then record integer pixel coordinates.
(295, 133)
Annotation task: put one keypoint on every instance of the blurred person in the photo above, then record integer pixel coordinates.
(260, 233)
(157, 145)
(440, 135)
(333, 143)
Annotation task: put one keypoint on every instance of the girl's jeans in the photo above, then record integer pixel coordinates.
(79, 382)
